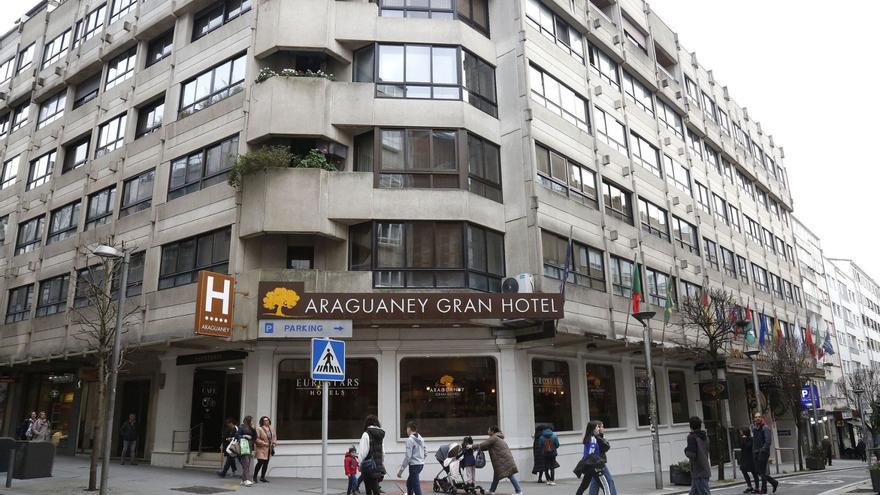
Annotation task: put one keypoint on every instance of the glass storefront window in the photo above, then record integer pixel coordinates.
(602, 395)
(448, 396)
(551, 394)
(640, 376)
(679, 396)
(299, 400)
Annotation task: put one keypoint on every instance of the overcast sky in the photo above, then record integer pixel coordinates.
(809, 74)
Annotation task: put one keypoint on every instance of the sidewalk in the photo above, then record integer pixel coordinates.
(72, 475)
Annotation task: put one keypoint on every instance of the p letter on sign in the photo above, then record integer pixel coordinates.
(214, 304)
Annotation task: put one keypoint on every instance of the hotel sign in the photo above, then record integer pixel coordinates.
(214, 303)
(288, 300)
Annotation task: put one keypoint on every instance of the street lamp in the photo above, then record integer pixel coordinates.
(752, 354)
(644, 317)
(111, 253)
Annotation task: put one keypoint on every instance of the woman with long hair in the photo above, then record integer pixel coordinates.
(246, 435)
(265, 447)
(596, 446)
(371, 454)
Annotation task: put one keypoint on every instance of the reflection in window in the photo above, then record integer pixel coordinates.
(100, 209)
(551, 394)
(658, 286)
(160, 47)
(484, 168)
(602, 65)
(51, 109)
(183, 260)
(418, 158)
(89, 25)
(213, 85)
(558, 98)
(685, 235)
(41, 170)
(25, 59)
(30, 233)
(586, 265)
(677, 174)
(610, 131)
(10, 172)
(646, 154)
(654, 219)
(555, 28)
(63, 222)
(217, 15)
(203, 168)
(18, 306)
(671, 119)
(602, 394)
(150, 117)
(639, 94)
(559, 174)
(111, 135)
(86, 90)
(640, 376)
(76, 154)
(53, 295)
(678, 395)
(56, 49)
(137, 193)
(621, 276)
(617, 202)
(710, 250)
(120, 68)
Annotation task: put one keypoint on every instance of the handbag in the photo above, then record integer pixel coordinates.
(244, 447)
(233, 448)
(368, 467)
(480, 460)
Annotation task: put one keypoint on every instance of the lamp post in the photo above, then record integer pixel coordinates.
(752, 354)
(644, 317)
(859, 392)
(108, 253)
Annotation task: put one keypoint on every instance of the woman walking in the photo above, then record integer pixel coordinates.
(538, 453)
(246, 435)
(40, 428)
(371, 454)
(747, 459)
(230, 431)
(265, 447)
(596, 448)
(503, 465)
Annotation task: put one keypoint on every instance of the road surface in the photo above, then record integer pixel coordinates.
(810, 484)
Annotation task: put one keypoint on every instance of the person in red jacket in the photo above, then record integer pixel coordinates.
(351, 471)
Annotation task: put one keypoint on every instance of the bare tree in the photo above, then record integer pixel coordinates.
(790, 363)
(867, 382)
(94, 310)
(709, 317)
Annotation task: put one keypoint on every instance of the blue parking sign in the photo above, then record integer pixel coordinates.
(328, 360)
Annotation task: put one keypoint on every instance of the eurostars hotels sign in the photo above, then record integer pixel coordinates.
(280, 300)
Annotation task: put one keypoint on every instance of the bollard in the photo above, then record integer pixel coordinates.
(10, 468)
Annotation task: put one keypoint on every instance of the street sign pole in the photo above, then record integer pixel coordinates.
(325, 402)
(328, 364)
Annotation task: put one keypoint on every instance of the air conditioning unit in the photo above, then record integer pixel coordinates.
(527, 114)
(597, 90)
(664, 83)
(626, 171)
(633, 243)
(606, 159)
(41, 81)
(667, 141)
(616, 39)
(681, 151)
(44, 198)
(33, 265)
(678, 95)
(684, 264)
(675, 200)
(524, 283)
(613, 235)
(698, 269)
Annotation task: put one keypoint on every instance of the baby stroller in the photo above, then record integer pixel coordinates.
(450, 479)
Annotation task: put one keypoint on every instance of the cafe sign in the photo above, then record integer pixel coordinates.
(288, 300)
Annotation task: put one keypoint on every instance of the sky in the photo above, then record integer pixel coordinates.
(809, 74)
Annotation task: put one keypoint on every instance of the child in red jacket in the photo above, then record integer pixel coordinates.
(351, 470)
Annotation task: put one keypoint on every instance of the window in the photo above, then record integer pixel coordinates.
(654, 219)
(566, 177)
(25, 59)
(551, 394)
(478, 83)
(56, 49)
(555, 29)
(475, 13)
(693, 142)
(63, 222)
(741, 137)
(745, 184)
(111, 135)
(617, 202)
(300, 257)
(183, 260)
(720, 208)
(640, 376)
(776, 285)
(137, 193)
(20, 116)
(217, 15)
(89, 25)
(53, 295)
(724, 122)
(774, 208)
(743, 268)
(621, 276)
(418, 158)
(135, 281)
(445, 396)
(768, 240)
(299, 400)
(713, 159)
(678, 395)
(689, 290)
(710, 249)
(728, 262)
(120, 68)
(646, 154)
(760, 277)
(100, 207)
(685, 235)
(213, 85)
(203, 168)
(4, 125)
(41, 170)
(677, 175)
(558, 98)
(733, 214)
(602, 394)
(693, 93)
(484, 168)
(659, 286)
(602, 65)
(639, 94)
(18, 307)
(709, 107)
(120, 8)
(10, 172)
(671, 119)
(150, 117)
(86, 91)
(780, 247)
(30, 233)
(76, 154)
(787, 290)
(52, 109)
(6, 70)
(4, 227)
(703, 197)
(89, 282)
(635, 35)
(762, 197)
(759, 154)
(160, 47)
(586, 264)
(753, 229)
(610, 131)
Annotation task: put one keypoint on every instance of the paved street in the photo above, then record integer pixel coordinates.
(811, 484)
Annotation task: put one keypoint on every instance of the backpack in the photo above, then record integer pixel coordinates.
(548, 445)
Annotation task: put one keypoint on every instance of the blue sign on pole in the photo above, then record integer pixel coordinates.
(328, 360)
(807, 394)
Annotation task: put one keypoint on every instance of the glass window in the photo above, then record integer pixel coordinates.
(709, 107)
(150, 117)
(137, 194)
(759, 275)
(551, 394)
(559, 99)
(678, 395)
(111, 135)
(610, 131)
(89, 284)
(100, 207)
(447, 396)
(703, 197)
(135, 274)
(768, 240)
(617, 202)
(41, 170)
(640, 376)
(693, 93)
(86, 90)
(213, 85)
(710, 249)
(56, 49)
(421, 9)
(20, 116)
(52, 109)
(120, 68)
(478, 83)
(720, 208)
(742, 268)
(4, 228)
(474, 13)
(727, 262)
(10, 172)
(685, 235)
(182, 261)
(693, 142)
(6, 70)
(646, 154)
(602, 394)
(670, 118)
(160, 47)
(654, 219)
(555, 29)
(559, 174)
(53, 295)
(658, 284)
(603, 66)
(299, 400)
(677, 175)
(18, 306)
(689, 290)
(419, 158)
(76, 154)
(4, 125)
(621, 276)
(25, 59)
(63, 222)
(89, 25)
(639, 94)
(733, 214)
(724, 122)
(484, 168)
(217, 15)
(202, 168)
(120, 8)
(586, 265)
(30, 233)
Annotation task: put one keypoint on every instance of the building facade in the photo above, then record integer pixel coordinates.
(471, 140)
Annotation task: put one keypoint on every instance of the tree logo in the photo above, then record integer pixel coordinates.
(280, 298)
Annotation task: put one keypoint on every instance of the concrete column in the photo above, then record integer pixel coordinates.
(258, 383)
(174, 399)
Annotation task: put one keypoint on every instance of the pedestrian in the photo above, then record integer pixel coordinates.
(23, 432)
(129, 433)
(414, 459)
(230, 432)
(468, 462)
(549, 449)
(40, 429)
(697, 451)
(351, 471)
(747, 459)
(538, 453)
(595, 445)
(246, 437)
(861, 450)
(503, 465)
(371, 454)
(265, 447)
(826, 446)
(762, 442)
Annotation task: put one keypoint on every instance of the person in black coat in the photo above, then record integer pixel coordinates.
(538, 452)
(861, 450)
(230, 431)
(747, 459)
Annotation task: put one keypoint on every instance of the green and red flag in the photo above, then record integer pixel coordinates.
(749, 328)
(670, 303)
(637, 288)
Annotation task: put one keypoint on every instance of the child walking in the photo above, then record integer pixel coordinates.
(351, 471)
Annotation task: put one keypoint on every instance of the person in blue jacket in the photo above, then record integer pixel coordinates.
(550, 447)
(595, 444)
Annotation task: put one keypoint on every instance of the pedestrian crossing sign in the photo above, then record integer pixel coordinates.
(328, 360)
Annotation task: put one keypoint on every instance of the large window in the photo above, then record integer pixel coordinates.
(484, 168)
(693, 92)
(63, 222)
(56, 49)
(213, 85)
(586, 265)
(89, 25)
(20, 116)
(709, 107)
(551, 394)
(86, 90)
(603, 66)
(646, 154)
(447, 396)
(685, 235)
(558, 98)
(76, 154)
(671, 119)
(602, 394)
(53, 295)
(677, 175)
(160, 47)
(710, 250)
(639, 94)
(640, 376)
(733, 215)
(202, 168)
(217, 15)
(654, 219)
(775, 285)
(137, 193)
(621, 276)
(743, 269)
(769, 240)
(555, 29)
(4, 124)
(183, 260)
(52, 109)
(25, 59)
(120, 68)
(678, 395)
(473, 12)
(693, 142)
(658, 285)
(18, 306)
(10, 172)
(4, 228)
(111, 135)
(120, 8)
(30, 233)
(617, 202)
(759, 274)
(6, 69)
(100, 207)
(720, 208)
(418, 158)
(150, 117)
(41, 170)
(728, 262)
(753, 229)
(610, 131)
(564, 176)
(689, 290)
(703, 200)
(350, 400)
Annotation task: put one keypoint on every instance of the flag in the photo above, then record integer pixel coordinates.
(809, 340)
(667, 310)
(829, 349)
(764, 330)
(748, 328)
(637, 288)
(777, 329)
(569, 252)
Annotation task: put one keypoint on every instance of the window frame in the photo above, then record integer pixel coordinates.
(154, 107)
(166, 42)
(9, 171)
(548, 179)
(632, 86)
(25, 58)
(232, 87)
(227, 15)
(581, 121)
(45, 173)
(601, 119)
(123, 67)
(48, 303)
(621, 283)
(61, 232)
(654, 219)
(141, 203)
(23, 312)
(692, 247)
(188, 187)
(641, 156)
(29, 245)
(118, 10)
(70, 153)
(59, 102)
(93, 22)
(627, 214)
(552, 32)
(52, 53)
(654, 295)
(193, 271)
(603, 66)
(104, 213)
(591, 279)
(710, 252)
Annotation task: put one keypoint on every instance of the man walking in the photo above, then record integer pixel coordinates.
(697, 451)
(763, 442)
(129, 434)
(414, 459)
(826, 447)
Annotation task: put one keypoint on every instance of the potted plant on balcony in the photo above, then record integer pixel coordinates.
(269, 157)
(816, 459)
(680, 474)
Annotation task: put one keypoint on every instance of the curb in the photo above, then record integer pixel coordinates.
(783, 476)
